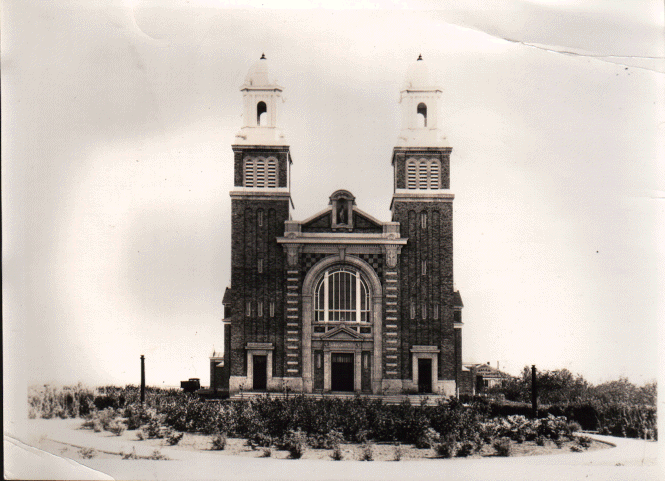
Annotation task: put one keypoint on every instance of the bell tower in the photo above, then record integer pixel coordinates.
(260, 204)
(423, 205)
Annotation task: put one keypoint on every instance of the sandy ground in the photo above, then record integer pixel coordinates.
(98, 454)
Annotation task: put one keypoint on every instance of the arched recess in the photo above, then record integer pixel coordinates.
(422, 115)
(308, 315)
(261, 114)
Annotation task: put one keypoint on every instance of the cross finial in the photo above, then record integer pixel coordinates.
(263, 56)
(420, 57)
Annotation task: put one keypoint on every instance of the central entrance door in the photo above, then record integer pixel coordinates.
(260, 366)
(424, 375)
(342, 368)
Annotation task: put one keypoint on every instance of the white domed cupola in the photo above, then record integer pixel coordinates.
(420, 99)
(261, 97)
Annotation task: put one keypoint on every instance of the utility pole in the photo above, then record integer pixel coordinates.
(534, 391)
(142, 379)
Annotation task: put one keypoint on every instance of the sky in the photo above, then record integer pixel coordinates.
(118, 120)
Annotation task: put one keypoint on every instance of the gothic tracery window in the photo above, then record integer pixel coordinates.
(342, 295)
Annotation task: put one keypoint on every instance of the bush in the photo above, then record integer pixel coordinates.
(427, 439)
(130, 455)
(397, 455)
(576, 449)
(337, 453)
(559, 443)
(157, 455)
(259, 439)
(584, 441)
(540, 441)
(465, 448)
(267, 452)
(87, 453)
(447, 448)
(295, 443)
(219, 442)
(367, 452)
(174, 438)
(502, 446)
(117, 428)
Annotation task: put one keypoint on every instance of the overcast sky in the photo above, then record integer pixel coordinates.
(117, 128)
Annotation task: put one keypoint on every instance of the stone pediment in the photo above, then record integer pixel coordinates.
(342, 333)
(323, 223)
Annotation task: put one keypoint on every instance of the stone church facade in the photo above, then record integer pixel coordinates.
(341, 301)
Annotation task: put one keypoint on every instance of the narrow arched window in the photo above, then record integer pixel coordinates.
(411, 180)
(260, 173)
(341, 295)
(249, 172)
(272, 172)
(422, 115)
(261, 114)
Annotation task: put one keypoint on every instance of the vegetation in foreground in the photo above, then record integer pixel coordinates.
(298, 423)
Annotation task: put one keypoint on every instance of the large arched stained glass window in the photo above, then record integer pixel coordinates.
(341, 295)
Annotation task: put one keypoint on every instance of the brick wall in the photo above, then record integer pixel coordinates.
(251, 242)
(434, 246)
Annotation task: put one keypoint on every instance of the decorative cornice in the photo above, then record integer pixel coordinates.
(343, 239)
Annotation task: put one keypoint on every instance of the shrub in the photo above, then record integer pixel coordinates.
(87, 453)
(218, 441)
(295, 443)
(140, 435)
(260, 439)
(117, 428)
(465, 448)
(267, 452)
(130, 455)
(576, 449)
(427, 439)
(157, 455)
(397, 455)
(572, 427)
(540, 440)
(584, 441)
(447, 448)
(502, 446)
(559, 443)
(367, 452)
(174, 438)
(337, 453)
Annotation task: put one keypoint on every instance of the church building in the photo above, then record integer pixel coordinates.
(341, 302)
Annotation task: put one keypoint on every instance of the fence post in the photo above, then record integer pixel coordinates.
(534, 392)
(142, 379)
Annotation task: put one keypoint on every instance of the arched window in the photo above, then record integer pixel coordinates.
(272, 172)
(249, 172)
(422, 115)
(261, 114)
(341, 295)
(411, 182)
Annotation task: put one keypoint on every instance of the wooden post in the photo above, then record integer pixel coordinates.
(534, 392)
(142, 379)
